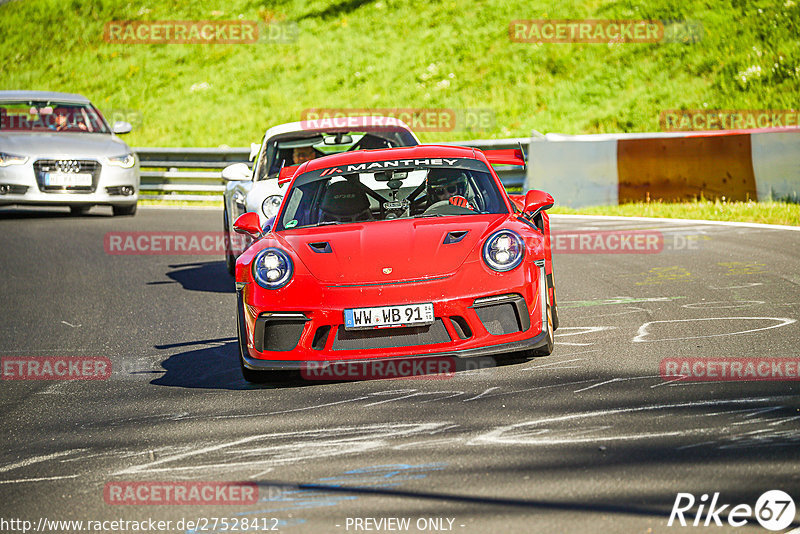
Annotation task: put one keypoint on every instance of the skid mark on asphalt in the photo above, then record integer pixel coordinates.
(644, 334)
(611, 301)
(279, 448)
(751, 284)
(38, 459)
(40, 479)
(628, 310)
(614, 381)
(581, 330)
(722, 305)
(556, 365)
(389, 476)
(594, 427)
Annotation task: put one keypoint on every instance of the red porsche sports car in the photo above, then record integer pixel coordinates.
(382, 254)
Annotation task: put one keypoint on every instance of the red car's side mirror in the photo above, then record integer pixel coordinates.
(248, 224)
(286, 174)
(536, 201)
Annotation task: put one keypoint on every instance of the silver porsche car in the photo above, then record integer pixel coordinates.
(290, 144)
(56, 149)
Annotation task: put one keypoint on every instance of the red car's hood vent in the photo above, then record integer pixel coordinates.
(388, 251)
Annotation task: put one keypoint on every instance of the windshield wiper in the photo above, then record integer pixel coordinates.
(328, 223)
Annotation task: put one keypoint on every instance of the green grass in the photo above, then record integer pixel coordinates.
(785, 213)
(401, 53)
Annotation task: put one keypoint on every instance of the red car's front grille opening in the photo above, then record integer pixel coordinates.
(461, 327)
(390, 338)
(276, 332)
(503, 315)
(320, 337)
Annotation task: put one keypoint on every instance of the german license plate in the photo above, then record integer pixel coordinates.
(67, 179)
(388, 316)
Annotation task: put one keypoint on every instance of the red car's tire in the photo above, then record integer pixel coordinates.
(230, 259)
(256, 377)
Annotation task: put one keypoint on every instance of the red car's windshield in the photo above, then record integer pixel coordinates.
(387, 190)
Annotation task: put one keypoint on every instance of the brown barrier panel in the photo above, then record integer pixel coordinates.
(683, 168)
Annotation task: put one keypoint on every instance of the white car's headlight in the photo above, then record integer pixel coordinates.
(7, 159)
(270, 205)
(503, 250)
(239, 201)
(126, 161)
(272, 268)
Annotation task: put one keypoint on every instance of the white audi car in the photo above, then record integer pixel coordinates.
(56, 149)
(257, 190)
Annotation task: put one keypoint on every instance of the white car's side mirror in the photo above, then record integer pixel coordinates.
(122, 127)
(254, 148)
(236, 173)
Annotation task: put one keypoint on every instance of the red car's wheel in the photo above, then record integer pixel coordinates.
(548, 347)
(230, 259)
(256, 377)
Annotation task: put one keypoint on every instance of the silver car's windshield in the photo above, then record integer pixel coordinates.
(50, 116)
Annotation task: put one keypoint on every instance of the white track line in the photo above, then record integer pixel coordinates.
(685, 221)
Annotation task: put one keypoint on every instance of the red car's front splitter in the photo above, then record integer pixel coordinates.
(498, 320)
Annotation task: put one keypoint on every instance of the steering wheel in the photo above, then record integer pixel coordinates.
(443, 207)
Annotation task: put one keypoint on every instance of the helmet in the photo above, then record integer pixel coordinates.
(445, 183)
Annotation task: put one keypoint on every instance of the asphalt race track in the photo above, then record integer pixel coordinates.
(589, 439)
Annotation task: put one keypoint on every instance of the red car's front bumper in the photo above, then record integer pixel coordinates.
(478, 313)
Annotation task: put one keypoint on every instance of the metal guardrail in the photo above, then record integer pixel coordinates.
(183, 173)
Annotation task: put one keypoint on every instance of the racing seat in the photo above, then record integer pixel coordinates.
(344, 202)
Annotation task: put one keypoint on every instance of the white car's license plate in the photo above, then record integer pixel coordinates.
(387, 316)
(67, 179)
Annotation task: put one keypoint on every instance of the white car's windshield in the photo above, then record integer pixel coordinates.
(295, 149)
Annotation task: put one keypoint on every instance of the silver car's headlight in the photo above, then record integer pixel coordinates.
(7, 159)
(270, 205)
(126, 161)
(503, 250)
(272, 268)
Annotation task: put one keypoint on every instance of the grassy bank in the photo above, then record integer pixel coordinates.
(757, 212)
(403, 54)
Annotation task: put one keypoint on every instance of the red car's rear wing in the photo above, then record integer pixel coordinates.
(286, 174)
(512, 156)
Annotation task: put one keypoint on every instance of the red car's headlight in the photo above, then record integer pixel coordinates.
(272, 268)
(503, 250)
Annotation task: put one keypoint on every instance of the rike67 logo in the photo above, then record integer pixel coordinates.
(774, 510)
